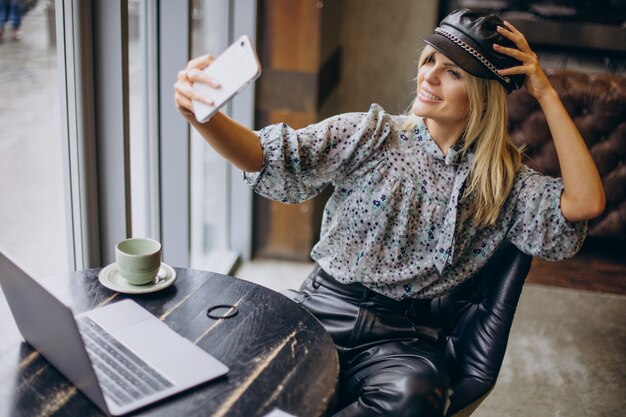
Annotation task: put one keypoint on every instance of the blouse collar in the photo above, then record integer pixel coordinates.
(455, 154)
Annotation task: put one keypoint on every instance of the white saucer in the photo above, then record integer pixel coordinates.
(110, 278)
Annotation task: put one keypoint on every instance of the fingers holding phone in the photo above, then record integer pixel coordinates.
(208, 83)
(184, 93)
(227, 75)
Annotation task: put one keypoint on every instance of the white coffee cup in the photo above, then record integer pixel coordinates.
(138, 259)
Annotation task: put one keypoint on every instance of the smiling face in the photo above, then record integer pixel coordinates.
(442, 93)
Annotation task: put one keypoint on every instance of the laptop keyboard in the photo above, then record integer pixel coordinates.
(122, 375)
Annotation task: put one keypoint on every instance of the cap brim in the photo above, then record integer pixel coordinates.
(458, 55)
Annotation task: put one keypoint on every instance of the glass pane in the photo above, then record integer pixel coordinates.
(32, 213)
(210, 173)
(142, 102)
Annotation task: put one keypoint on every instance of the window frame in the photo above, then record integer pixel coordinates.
(93, 67)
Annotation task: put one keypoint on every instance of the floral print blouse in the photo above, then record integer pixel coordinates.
(396, 222)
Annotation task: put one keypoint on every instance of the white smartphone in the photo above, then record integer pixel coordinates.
(234, 69)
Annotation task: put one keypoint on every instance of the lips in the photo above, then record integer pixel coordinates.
(425, 94)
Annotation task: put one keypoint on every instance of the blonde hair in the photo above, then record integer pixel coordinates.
(496, 159)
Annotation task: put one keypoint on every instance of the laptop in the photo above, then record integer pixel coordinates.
(119, 355)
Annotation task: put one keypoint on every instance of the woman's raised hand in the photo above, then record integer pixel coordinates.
(537, 83)
(233, 141)
(184, 91)
(583, 196)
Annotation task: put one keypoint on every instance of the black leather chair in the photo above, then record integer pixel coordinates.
(476, 317)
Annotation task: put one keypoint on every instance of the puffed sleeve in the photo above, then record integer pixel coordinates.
(298, 164)
(539, 228)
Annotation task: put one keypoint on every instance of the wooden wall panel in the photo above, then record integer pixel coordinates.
(290, 32)
(293, 87)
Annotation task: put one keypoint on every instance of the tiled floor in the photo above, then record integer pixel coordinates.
(276, 275)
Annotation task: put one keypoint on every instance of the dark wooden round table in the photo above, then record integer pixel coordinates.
(279, 355)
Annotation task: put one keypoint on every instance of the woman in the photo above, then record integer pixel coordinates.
(420, 203)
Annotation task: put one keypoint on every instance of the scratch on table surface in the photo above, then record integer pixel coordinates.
(58, 401)
(108, 300)
(171, 310)
(279, 388)
(217, 322)
(28, 381)
(28, 359)
(227, 404)
(294, 343)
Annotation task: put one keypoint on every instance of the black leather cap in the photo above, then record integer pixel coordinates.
(467, 37)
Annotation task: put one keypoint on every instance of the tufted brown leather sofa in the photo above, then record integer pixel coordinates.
(597, 103)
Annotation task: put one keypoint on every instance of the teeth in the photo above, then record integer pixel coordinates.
(427, 95)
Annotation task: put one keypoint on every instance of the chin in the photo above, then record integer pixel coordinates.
(417, 111)
(415, 108)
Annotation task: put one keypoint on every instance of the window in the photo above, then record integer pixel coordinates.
(209, 174)
(108, 151)
(220, 202)
(33, 227)
(143, 114)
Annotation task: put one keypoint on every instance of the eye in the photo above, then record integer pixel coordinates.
(455, 74)
(430, 59)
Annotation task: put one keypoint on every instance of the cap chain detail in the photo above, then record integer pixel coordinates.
(473, 52)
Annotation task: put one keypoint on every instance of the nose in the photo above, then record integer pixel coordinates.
(432, 74)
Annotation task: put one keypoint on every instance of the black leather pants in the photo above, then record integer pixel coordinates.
(391, 355)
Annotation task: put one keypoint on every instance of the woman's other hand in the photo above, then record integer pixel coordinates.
(536, 83)
(183, 88)
(583, 196)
